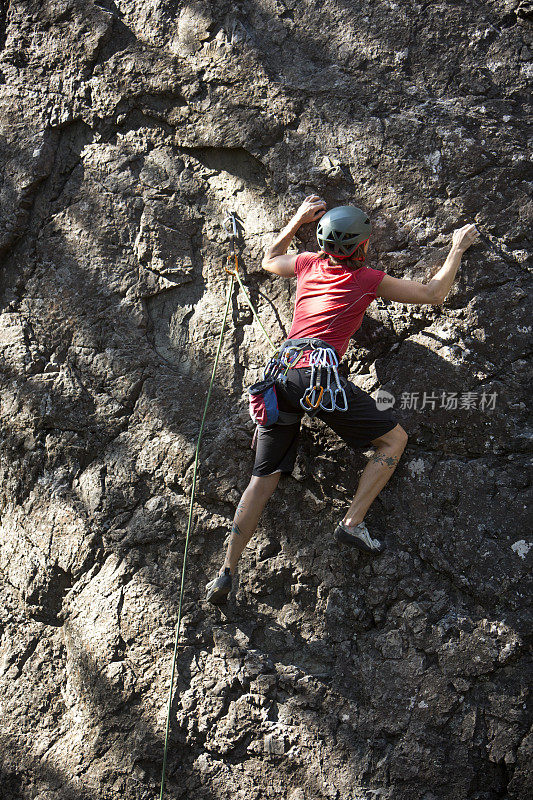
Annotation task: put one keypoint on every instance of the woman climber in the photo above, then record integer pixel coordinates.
(333, 290)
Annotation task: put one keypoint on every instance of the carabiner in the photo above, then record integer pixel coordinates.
(231, 219)
(318, 357)
(331, 359)
(327, 391)
(306, 402)
(343, 394)
(332, 405)
(291, 356)
(272, 369)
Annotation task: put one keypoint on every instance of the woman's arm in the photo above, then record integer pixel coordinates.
(434, 292)
(275, 259)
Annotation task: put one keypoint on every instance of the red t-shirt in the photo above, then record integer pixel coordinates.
(330, 301)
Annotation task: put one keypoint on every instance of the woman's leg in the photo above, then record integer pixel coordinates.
(377, 472)
(251, 506)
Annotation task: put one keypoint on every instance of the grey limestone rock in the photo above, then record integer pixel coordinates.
(128, 131)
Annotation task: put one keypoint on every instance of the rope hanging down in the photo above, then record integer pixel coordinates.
(234, 274)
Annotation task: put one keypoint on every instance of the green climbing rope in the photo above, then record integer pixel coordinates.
(187, 535)
(234, 274)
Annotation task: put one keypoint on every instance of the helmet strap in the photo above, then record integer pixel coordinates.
(357, 255)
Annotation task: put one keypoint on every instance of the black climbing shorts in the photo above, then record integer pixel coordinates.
(277, 445)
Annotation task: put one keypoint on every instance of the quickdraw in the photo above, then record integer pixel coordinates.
(328, 398)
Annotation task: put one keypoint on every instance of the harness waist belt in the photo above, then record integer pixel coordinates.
(313, 343)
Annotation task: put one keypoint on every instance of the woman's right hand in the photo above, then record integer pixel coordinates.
(312, 208)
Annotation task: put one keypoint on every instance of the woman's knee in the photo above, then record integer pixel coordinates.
(396, 438)
(264, 486)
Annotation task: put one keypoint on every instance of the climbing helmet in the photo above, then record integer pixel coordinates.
(341, 230)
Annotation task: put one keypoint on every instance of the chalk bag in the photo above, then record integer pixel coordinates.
(263, 402)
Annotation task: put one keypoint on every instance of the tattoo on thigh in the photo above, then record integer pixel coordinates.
(388, 461)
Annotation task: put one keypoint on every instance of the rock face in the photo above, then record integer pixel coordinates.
(129, 130)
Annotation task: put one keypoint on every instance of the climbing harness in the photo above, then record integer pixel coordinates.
(323, 356)
(230, 225)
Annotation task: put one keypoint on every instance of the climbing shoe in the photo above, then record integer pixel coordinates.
(219, 588)
(358, 536)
